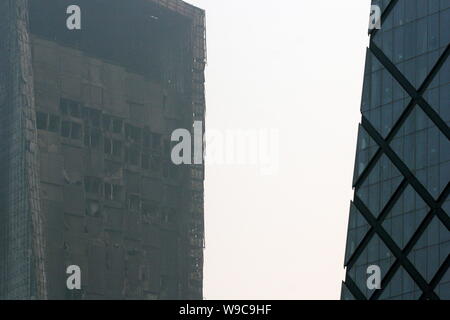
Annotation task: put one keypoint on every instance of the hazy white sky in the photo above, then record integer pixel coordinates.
(296, 66)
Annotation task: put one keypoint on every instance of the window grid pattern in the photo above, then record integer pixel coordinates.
(401, 188)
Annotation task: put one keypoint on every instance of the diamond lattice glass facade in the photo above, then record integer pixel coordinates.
(399, 218)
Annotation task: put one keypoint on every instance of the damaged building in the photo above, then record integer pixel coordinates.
(86, 174)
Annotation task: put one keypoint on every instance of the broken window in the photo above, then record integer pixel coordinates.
(171, 215)
(113, 147)
(145, 161)
(85, 113)
(117, 148)
(70, 107)
(127, 131)
(134, 202)
(113, 192)
(117, 193)
(117, 125)
(41, 120)
(95, 138)
(133, 133)
(64, 106)
(156, 163)
(74, 109)
(150, 211)
(92, 185)
(54, 123)
(76, 131)
(65, 129)
(92, 208)
(156, 142)
(146, 138)
(173, 171)
(133, 155)
(108, 191)
(91, 137)
(94, 116)
(107, 145)
(165, 170)
(106, 123)
(166, 149)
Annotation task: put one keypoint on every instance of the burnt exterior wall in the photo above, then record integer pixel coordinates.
(106, 100)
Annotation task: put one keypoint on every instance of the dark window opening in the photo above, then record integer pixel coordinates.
(106, 123)
(108, 191)
(134, 202)
(76, 131)
(133, 156)
(165, 169)
(93, 208)
(41, 120)
(117, 126)
(94, 116)
(92, 185)
(145, 161)
(156, 141)
(65, 129)
(146, 138)
(117, 148)
(107, 146)
(54, 124)
(156, 164)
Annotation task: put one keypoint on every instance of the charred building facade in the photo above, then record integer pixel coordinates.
(399, 218)
(86, 173)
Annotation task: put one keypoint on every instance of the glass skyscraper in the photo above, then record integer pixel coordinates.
(399, 218)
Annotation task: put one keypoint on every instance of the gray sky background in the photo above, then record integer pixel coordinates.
(297, 66)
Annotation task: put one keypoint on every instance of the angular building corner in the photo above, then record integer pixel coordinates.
(87, 178)
(399, 218)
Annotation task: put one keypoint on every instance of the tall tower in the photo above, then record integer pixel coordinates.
(86, 170)
(399, 218)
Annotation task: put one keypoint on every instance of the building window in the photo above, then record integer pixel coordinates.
(107, 145)
(76, 131)
(145, 161)
(113, 192)
(133, 155)
(94, 116)
(117, 148)
(156, 142)
(92, 137)
(65, 129)
(156, 163)
(134, 202)
(70, 107)
(92, 185)
(117, 126)
(41, 120)
(150, 211)
(146, 138)
(54, 124)
(106, 123)
(113, 147)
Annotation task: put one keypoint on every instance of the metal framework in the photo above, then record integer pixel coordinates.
(23, 252)
(409, 179)
(22, 271)
(196, 233)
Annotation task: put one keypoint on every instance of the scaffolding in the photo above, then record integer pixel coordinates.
(196, 229)
(22, 274)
